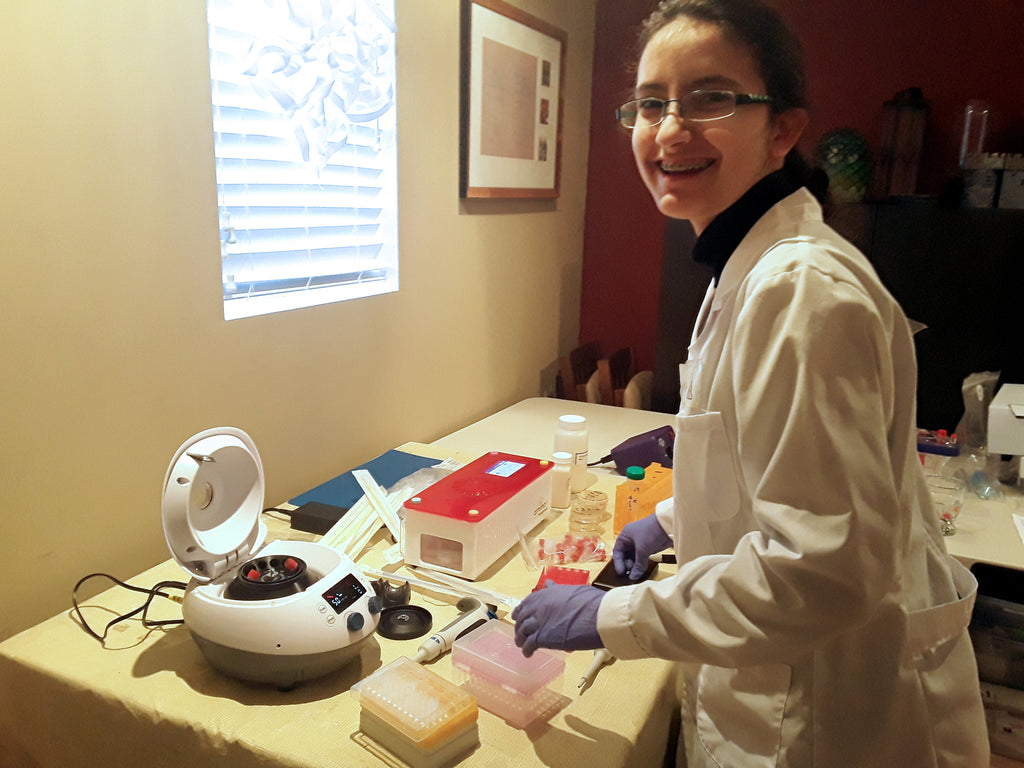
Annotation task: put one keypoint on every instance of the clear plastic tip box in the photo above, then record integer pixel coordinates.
(417, 715)
(488, 664)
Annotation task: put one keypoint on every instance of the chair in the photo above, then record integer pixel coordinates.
(619, 383)
(638, 392)
(585, 376)
(614, 374)
(576, 368)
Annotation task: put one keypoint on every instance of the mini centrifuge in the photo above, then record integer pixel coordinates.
(281, 614)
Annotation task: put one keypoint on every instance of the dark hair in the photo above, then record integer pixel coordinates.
(776, 50)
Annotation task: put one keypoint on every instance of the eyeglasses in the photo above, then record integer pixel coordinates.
(695, 106)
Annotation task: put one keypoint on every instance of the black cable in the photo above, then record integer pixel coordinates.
(287, 512)
(151, 592)
(279, 509)
(605, 460)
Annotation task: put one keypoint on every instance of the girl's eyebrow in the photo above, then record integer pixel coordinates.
(649, 88)
(706, 81)
(713, 81)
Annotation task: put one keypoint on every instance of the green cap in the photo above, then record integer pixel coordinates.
(634, 473)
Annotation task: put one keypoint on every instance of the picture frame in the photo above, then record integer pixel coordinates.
(511, 91)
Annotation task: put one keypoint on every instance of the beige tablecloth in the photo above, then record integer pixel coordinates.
(150, 699)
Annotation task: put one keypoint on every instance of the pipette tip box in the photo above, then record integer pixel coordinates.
(417, 715)
(487, 663)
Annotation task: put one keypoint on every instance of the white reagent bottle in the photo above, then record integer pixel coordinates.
(571, 437)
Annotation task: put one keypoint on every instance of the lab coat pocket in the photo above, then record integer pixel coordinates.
(704, 483)
(931, 629)
(739, 713)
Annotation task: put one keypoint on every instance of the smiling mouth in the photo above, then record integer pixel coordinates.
(685, 169)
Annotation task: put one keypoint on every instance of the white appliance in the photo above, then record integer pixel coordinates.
(281, 614)
(467, 520)
(1006, 424)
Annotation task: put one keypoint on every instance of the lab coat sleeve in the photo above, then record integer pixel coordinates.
(664, 510)
(812, 390)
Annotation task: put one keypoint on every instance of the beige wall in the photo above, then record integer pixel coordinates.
(113, 349)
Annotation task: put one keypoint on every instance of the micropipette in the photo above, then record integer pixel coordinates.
(472, 614)
(601, 657)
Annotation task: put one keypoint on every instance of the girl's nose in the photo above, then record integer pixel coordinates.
(674, 128)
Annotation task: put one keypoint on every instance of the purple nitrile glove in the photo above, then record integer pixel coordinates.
(560, 616)
(635, 545)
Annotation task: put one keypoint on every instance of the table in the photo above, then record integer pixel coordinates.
(65, 701)
(986, 531)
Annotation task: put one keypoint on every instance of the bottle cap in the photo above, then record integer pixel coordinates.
(562, 457)
(634, 473)
(572, 421)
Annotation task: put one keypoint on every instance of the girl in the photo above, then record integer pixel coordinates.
(817, 616)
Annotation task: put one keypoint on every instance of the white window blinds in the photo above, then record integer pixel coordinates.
(304, 122)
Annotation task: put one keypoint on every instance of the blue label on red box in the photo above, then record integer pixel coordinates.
(505, 468)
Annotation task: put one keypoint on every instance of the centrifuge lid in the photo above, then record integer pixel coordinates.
(212, 501)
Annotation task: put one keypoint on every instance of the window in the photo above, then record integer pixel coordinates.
(305, 140)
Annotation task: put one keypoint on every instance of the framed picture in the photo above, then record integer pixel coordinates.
(513, 71)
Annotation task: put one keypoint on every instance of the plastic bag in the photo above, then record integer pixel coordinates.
(978, 390)
(979, 470)
(420, 480)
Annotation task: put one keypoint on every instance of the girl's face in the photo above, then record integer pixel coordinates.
(695, 170)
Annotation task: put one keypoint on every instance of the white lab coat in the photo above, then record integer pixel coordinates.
(819, 618)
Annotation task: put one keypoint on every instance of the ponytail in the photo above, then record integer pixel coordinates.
(804, 175)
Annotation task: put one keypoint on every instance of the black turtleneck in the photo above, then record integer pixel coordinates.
(716, 243)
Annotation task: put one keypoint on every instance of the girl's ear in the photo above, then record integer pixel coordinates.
(788, 128)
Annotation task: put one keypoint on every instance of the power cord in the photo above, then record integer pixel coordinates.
(151, 592)
(281, 513)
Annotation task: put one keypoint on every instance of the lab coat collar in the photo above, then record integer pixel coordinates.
(784, 219)
(721, 238)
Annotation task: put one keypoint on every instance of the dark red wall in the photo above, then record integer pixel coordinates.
(859, 54)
